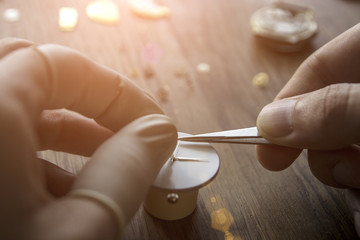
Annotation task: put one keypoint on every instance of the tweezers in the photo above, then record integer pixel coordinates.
(240, 136)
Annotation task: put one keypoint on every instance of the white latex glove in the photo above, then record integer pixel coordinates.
(129, 140)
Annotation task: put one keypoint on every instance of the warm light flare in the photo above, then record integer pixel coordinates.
(12, 15)
(103, 11)
(68, 18)
(148, 8)
(221, 219)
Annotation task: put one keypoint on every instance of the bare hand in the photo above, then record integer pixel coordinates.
(319, 110)
(120, 126)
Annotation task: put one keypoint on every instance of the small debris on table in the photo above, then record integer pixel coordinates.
(11, 15)
(148, 72)
(152, 53)
(203, 68)
(103, 11)
(181, 72)
(163, 93)
(260, 80)
(68, 18)
(148, 9)
(133, 73)
(189, 82)
(284, 26)
(184, 74)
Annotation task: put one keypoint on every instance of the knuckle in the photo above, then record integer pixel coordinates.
(329, 109)
(9, 40)
(335, 102)
(10, 44)
(13, 117)
(317, 65)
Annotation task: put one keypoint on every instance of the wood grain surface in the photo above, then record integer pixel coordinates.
(245, 201)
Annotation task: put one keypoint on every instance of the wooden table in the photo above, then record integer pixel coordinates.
(290, 204)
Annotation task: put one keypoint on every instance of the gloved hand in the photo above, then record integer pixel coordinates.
(112, 119)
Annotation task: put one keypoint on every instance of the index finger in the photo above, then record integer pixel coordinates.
(59, 77)
(336, 62)
(49, 77)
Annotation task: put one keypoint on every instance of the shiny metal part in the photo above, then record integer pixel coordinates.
(172, 197)
(240, 136)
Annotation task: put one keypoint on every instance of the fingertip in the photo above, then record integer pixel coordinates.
(321, 163)
(353, 201)
(346, 171)
(158, 129)
(276, 158)
(275, 119)
(58, 180)
(130, 160)
(336, 168)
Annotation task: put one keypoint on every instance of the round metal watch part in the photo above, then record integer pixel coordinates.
(283, 26)
(174, 193)
(172, 198)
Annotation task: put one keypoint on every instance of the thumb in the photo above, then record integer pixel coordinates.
(122, 169)
(325, 119)
(126, 165)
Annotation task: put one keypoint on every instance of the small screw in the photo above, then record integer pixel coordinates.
(172, 197)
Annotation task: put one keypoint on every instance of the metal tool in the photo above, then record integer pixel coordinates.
(240, 136)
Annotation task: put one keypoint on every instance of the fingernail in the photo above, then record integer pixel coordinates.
(275, 119)
(159, 133)
(155, 124)
(343, 174)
